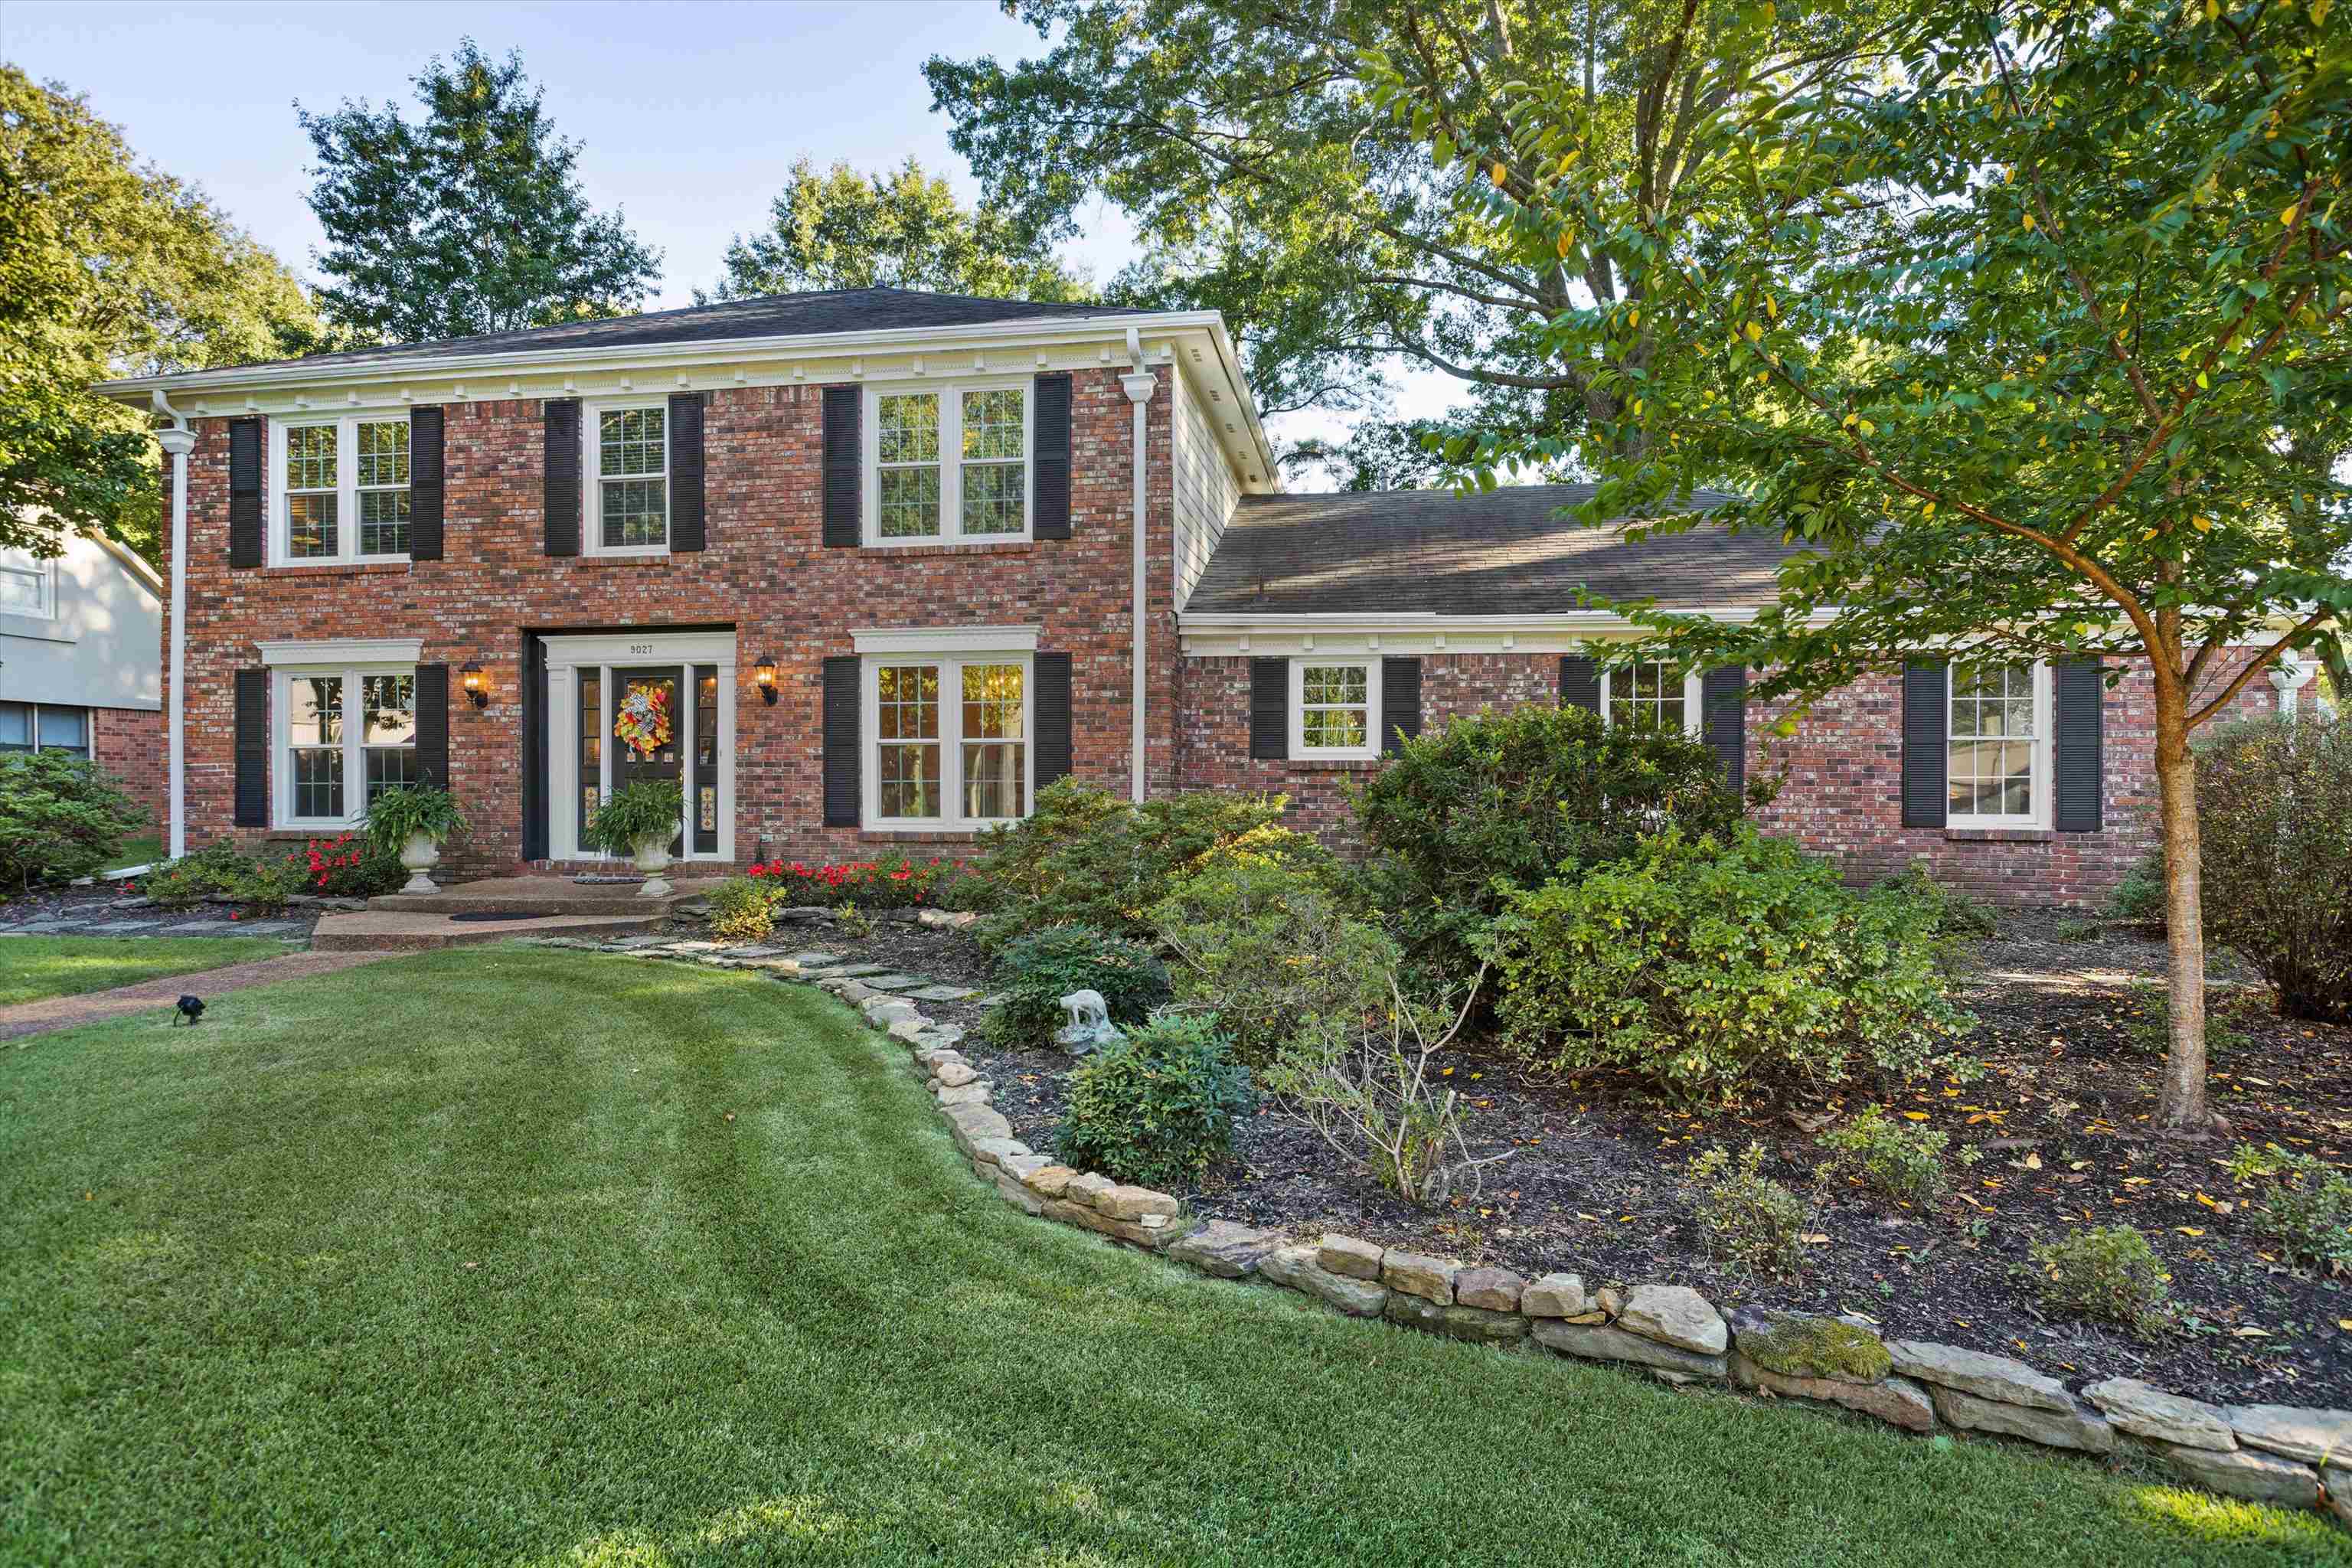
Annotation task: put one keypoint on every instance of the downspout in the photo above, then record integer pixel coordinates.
(177, 442)
(1139, 385)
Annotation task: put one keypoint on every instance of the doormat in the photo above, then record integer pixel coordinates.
(590, 880)
(487, 915)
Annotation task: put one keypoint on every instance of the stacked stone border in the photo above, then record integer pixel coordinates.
(2289, 1455)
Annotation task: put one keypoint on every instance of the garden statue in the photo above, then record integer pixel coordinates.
(1090, 1024)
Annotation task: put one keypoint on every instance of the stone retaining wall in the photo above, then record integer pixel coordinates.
(2285, 1455)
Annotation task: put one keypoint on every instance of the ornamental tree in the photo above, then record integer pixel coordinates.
(2039, 341)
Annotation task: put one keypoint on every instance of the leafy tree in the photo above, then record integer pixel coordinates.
(1240, 136)
(2078, 383)
(470, 221)
(904, 229)
(109, 267)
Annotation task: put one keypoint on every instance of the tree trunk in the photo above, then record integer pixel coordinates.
(2181, 1108)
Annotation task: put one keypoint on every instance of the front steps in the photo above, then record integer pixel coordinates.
(546, 906)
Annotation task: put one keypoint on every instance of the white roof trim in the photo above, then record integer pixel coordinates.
(342, 651)
(1218, 636)
(947, 640)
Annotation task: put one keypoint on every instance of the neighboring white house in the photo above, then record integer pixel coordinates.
(81, 660)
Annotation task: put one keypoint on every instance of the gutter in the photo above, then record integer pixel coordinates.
(1139, 385)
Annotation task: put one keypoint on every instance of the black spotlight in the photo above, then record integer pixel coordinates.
(192, 1008)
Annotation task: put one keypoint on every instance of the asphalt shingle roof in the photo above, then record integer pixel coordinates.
(1505, 551)
(767, 315)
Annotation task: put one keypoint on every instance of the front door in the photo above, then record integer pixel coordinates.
(648, 730)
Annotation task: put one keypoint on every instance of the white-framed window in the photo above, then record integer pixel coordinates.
(627, 464)
(1649, 692)
(344, 737)
(1335, 708)
(44, 727)
(341, 488)
(948, 739)
(28, 584)
(1998, 758)
(947, 462)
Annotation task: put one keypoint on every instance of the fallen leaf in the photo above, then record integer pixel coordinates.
(1916, 1115)
(1815, 1239)
(2188, 1230)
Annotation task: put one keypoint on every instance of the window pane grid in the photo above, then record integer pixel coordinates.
(1335, 707)
(632, 469)
(973, 714)
(908, 485)
(1990, 768)
(636, 511)
(1647, 694)
(994, 478)
(996, 755)
(383, 487)
(907, 729)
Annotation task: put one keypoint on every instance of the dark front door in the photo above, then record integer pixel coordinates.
(648, 729)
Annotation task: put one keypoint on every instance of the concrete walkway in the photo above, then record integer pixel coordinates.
(65, 1012)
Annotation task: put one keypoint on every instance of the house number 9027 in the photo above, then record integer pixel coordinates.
(641, 648)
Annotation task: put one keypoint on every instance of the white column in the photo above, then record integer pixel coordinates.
(178, 443)
(1138, 387)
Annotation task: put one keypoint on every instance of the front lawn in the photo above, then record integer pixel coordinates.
(34, 967)
(501, 1255)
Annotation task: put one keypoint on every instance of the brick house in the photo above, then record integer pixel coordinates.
(872, 560)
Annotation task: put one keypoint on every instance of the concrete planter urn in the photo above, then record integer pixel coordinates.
(418, 855)
(653, 860)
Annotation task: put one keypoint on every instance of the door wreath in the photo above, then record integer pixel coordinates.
(642, 724)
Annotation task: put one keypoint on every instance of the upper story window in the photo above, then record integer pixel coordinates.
(344, 489)
(1997, 770)
(1649, 692)
(950, 745)
(345, 736)
(1335, 706)
(948, 462)
(629, 457)
(28, 587)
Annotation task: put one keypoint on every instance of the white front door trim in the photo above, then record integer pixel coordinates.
(604, 653)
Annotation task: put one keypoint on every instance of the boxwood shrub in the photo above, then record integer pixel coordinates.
(1157, 1106)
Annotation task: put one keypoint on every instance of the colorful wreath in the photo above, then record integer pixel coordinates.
(642, 722)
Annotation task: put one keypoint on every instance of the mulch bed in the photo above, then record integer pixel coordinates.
(2062, 1119)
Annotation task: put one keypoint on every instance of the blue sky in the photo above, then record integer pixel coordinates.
(690, 114)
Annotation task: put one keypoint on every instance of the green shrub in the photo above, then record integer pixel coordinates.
(1087, 856)
(2149, 1028)
(2140, 895)
(1512, 799)
(2275, 809)
(2109, 1272)
(60, 817)
(2306, 1206)
(177, 884)
(403, 810)
(1267, 949)
(633, 813)
(1898, 1158)
(1703, 966)
(1752, 1221)
(264, 884)
(1036, 972)
(739, 910)
(1951, 911)
(1157, 1106)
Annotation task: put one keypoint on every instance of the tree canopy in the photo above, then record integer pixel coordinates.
(109, 267)
(903, 230)
(1265, 183)
(470, 220)
(2039, 341)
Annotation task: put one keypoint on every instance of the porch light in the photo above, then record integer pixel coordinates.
(764, 672)
(476, 684)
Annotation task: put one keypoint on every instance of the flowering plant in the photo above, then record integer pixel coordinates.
(348, 866)
(874, 884)
(642, 724)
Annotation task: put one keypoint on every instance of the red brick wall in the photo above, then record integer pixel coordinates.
(129, 743)
(1841, 797)
(764, 573)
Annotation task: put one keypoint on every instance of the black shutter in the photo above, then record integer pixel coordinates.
(1053, 700)
(842, 706)
(252, 722)
(425, 490)
(1269, 710)
(559, 481)
(687, 528)
(1927, 693)
(1579, 683)
(1400, 703)
(845, 457)
(433, 725)
(1723, 711)
(2078, 691)
(1049, 457)
(244, 495)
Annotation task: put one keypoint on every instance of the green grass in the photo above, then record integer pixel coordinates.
(458, 1258)
(141, 851)
(33, 967)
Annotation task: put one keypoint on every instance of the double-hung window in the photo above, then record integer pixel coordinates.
(1651, 693)
(628, 457)
(951, 744)
(1335, 707)
(1997, 761)
(344, 736)
(949, 463)
(28, 587)
(343, 491)
(44, 727)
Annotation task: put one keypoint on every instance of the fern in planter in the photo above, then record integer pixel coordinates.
(632, 814)
(404, 811)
